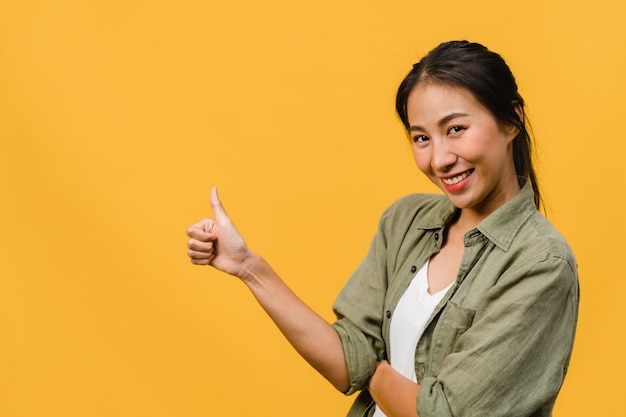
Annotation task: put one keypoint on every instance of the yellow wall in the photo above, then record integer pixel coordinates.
(116, 118)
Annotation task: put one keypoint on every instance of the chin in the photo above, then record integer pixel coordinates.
(460, 202)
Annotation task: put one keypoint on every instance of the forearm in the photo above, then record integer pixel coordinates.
(312, 336)
(393, 393)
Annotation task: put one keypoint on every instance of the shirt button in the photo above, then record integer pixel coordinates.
(388, 314)
(413, 268)
(422, 370)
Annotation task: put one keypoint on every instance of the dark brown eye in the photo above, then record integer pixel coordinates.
(455, 129)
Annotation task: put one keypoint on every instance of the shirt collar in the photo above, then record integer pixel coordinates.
(502, 225)
(437, 217)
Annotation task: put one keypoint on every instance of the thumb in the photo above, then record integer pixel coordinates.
(218, 208)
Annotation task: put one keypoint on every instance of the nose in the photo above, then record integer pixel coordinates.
(442, 158)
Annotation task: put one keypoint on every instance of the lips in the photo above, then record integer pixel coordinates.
(457, 178)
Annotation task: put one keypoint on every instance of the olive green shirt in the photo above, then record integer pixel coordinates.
(499, 342)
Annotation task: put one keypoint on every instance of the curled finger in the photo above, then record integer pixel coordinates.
(200, 258)
(200, 246)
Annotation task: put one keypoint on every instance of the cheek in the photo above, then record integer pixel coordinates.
(485, 145)
(422, 160)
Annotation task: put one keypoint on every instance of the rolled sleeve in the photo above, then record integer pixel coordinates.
(360, 356)
(359, 310)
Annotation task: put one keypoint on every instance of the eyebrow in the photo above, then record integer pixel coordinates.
(442, 122)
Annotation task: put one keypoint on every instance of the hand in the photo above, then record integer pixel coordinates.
(216, 241)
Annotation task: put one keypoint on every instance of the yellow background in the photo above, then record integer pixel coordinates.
(116, 118)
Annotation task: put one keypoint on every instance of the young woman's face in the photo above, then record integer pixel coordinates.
(461, 147)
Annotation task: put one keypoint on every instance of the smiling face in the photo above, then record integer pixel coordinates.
(462, 148)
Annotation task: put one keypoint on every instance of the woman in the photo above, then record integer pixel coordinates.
(471, 297)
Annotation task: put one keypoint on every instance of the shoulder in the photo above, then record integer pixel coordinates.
(420, 199)
(411, 215)
(541, 232)
(539, 238)
(413, 204)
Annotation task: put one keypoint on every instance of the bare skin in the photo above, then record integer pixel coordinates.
(216, 242)
(443, 266)
(460, 146)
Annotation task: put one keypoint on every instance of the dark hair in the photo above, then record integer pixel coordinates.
(487, 76)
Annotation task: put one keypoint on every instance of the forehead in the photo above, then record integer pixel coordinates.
(430, 102)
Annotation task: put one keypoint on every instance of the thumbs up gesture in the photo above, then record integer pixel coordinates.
(216, 241)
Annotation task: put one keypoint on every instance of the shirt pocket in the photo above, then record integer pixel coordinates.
(453, 322)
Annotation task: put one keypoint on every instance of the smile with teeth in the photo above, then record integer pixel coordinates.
(457, 179)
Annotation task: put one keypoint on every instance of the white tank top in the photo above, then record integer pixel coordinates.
(408, 322)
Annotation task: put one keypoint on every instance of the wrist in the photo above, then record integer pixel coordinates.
(252, 268)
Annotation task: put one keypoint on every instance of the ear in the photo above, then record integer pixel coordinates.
(511, 128)
(519, 110)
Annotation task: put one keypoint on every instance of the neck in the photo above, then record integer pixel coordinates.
(469, 218)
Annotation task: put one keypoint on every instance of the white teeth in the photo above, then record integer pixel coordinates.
(457, 179)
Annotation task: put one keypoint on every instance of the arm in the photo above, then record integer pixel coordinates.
(393, 393)
(511, 366)
(513, 356)
(217, 242)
